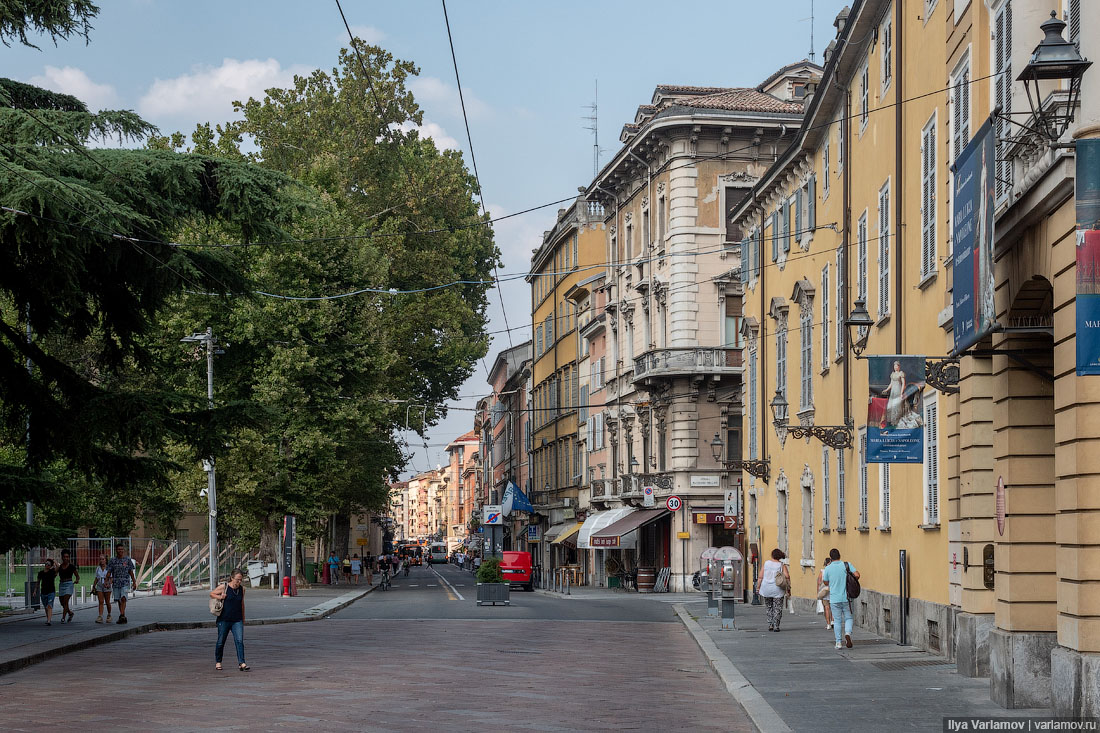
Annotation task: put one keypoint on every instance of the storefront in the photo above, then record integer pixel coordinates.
(646, 533)
(595, 559)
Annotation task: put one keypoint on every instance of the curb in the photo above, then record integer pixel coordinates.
(321, 611)
(763, 715)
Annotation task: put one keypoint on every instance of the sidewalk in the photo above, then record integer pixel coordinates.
(25, 639)
(797, 680)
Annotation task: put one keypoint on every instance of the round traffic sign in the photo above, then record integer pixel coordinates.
(648, 490)
(673, 503)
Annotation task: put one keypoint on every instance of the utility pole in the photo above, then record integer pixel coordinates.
(207, 338)
(30, 504)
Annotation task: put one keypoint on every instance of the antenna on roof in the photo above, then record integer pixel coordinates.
(594, 126)
(811, 30)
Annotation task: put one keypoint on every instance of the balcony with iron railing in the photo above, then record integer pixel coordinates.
(685, 362)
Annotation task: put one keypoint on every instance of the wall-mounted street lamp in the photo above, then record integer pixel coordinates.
(759, 469)
(1053, 60)
(859, 324)
(833, 436)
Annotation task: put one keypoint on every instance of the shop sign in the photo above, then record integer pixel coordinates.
(703, 480)
(604, 541)
(714, 518)
(568, 513)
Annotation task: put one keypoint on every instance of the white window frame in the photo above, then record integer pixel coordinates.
(806, 494)
(861, 256)
(886, 70)
(929, 204)
(840, 141)
(960, 98)
(806, 347)
(754, 373)
(825, 171)
(781, 358)
(863, 478)
(930, 466)
(884, 496)
(884, 251)
(825, 504)
(840, 491)
(839, 305)
(864, 97)
(1000, 91)
(826, 324)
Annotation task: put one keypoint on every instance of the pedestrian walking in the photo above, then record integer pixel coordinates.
(67, 575)
(47, 588)
(773, 584)
(333, 568)
(102, 590)
(347, 569)
(823, 595)
(370, 569)
(120, 574)
(394, 562)
(356, 568)
(231, 619)
(835, 576)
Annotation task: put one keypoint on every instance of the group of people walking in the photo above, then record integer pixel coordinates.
(774, 586)
(114, 579)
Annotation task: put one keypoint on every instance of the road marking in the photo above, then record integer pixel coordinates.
(451, 588)
(415, 585)
(433, 585)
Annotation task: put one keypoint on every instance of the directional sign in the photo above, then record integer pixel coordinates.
(494, 514)
(730, 507)
(673, 503)
(730, 523)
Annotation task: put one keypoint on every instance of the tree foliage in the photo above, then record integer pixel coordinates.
(56, 18)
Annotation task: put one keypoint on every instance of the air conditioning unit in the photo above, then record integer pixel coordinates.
(566, 501)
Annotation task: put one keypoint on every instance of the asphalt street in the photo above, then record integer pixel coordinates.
(420, 656)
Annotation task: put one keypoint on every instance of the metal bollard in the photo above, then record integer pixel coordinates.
(566, 585)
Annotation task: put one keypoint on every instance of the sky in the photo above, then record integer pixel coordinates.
(529, 73)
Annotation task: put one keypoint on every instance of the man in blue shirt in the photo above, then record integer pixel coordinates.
(835, 575)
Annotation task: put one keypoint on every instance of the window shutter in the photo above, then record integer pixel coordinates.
(931, 463)
(840, 498)
(773, 222)
(839, 304)
(1074, 22)
(744, 260)
(786, 209)
(798, 200)
(884, 481)
(825, 295)
(884, 252)
(811, 193)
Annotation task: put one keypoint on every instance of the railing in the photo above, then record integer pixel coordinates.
(692, 360)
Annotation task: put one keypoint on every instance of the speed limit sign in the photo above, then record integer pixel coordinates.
(673, 503)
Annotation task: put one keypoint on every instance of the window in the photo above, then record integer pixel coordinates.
(785, 207)
(806, 208)
(660, 220)
(884, 251)
(598, 443)
(861, 257)
(931, 461)
(538, 341)
(825, 325)
(645, 229)
(928, 199)
(752, 400)
(825, 170)
(575, 388)
(887, 54)
(825, 488)
(1073, 21)
(568, 258)
(884, 495)
(807, 518)
(629, 244)
(839, 305)
(841, 126)
(929, 6)
(863, 478)
(733, 199)
(582, 413)
(799, 91)
(577, 459)
(960, 107)
(1002, 96)
(773, 223)
(864, 91)
(806, 334)
(576, 260)
(732, 337)
(840, 524)
(549, 331)
(781, 357)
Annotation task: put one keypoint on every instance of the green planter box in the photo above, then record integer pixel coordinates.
(613, 582)
(493, 593)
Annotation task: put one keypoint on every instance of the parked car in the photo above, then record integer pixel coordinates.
(516, 568)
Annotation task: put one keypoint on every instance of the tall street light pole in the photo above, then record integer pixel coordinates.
(209, 341)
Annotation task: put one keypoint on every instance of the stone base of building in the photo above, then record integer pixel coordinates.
(1020, 667)
(1074, 683)
(972, 643)
(929, 626)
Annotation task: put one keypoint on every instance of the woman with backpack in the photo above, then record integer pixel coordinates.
(842, 579)
(773, 585)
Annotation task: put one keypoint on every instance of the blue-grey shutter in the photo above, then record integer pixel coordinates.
(812, 209)
(745, 260)
(773, 222)
(786, 209)
(798, 214)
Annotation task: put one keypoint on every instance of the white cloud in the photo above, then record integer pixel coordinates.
(207, 93)
(439, 97)
(368, 33)
(71, 80)
(443, 141)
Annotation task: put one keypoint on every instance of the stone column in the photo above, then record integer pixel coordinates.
(683, 293)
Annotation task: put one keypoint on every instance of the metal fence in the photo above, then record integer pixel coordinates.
(155, 560)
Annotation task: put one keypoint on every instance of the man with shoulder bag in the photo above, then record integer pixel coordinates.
(842, 580)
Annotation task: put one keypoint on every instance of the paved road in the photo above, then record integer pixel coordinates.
(421, 656)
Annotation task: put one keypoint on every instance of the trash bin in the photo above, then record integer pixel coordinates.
(311, 572)
(613, 581)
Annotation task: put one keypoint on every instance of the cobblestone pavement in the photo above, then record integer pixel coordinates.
(387, 674)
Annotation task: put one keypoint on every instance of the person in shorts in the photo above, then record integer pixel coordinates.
(47, 588)
(346, 567)
(102, 590)
(356, 568)
(68, 575)
(120, 574)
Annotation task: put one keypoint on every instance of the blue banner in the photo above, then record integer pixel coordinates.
(895, 409)
(1087, 187)
(972, 240)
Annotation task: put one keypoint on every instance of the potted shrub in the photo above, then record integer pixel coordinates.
(491, 587)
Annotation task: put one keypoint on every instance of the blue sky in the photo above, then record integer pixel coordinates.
(528, 72)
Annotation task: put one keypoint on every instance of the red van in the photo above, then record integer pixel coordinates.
(516, 568)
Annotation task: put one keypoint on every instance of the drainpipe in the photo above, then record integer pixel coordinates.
(898, 184)
(845, 126)
(761, 346)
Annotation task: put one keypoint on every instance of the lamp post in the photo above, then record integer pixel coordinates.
(1053, 60)
(207, 338)
(860, 320)
(759, 469)
(833, 436)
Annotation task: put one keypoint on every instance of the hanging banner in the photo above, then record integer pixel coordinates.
(1088, 256)
(972, 240)
(895, 428)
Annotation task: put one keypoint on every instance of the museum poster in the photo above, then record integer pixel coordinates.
(895, 409)
(972, 240)
(1088, 256)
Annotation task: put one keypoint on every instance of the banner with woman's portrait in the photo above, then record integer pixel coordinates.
(895, 409)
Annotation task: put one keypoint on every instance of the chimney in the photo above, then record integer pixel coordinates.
(841, 20)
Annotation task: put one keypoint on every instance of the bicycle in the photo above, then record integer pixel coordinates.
(384, 584)
(407, 568)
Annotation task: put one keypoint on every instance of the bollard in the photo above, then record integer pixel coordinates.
(566, 584)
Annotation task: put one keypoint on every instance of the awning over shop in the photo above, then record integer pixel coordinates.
(568, 536)
(612, 535)
(598, 521)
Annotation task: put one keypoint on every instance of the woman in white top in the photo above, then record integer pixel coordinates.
(773, 594)
(102, 590)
